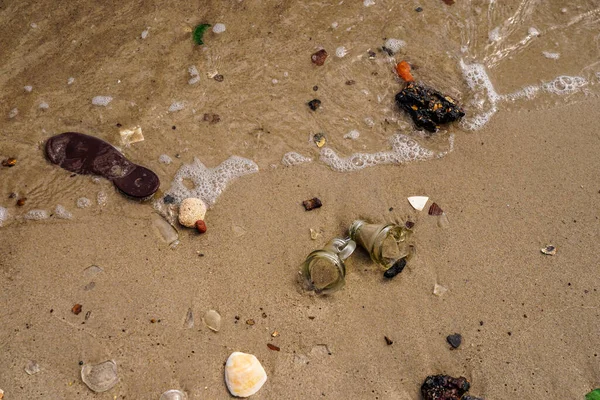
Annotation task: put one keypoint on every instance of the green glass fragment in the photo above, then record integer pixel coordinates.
(593, 395)
(199, 32)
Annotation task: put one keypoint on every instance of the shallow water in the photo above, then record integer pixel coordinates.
(141, 56)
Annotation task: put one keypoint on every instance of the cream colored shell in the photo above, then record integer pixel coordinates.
(190, 211)
(244, 375)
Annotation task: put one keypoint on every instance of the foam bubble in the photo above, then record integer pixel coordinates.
(176, 106)
(62, 213)
(394, 45)
(83, 202)
(404, 149)
(209, 183)
(565, 84)
(292, 158)
(3, 215)
(341, 51)
(353, 135)
(494, 35)
(101, 100)
(36, 215)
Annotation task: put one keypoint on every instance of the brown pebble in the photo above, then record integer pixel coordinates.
(409, 224)
(9, 162)
(219, 78)
(388, 341)
(201, 226)
(212, 118)
(350, 82)
(21, 201)
(250, 322)
(312, 204)
(449, 2)
(264, 315)
(76, 309)
(273, 347)
(152, 321)
(435, 210)
(314, 104)
(319, 57)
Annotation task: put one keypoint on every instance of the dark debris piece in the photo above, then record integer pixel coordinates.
(454, 340)
(319, 57)
(388, 341)
(168, 199)
(444, 387)
(419, 9)
(395, 269)
(471, 398)
(314, 104)
(312, 204)
(427, 107)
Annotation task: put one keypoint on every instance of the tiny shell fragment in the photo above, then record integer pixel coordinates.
(319, 57)
(418, 202)
(133, 135)
(312, 204)
(320, 140)
(32, 367)
(435, 210)
(549, 250)
(275, 334)
(439, 290)
(250, 322)
(212, 319)
(100, 377)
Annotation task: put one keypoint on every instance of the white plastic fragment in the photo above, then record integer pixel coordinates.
(176, 106)
(70, 80)
(418, 202)
(439, 290)
(28, 88)
(218, 28)
(145, 33)
(165, 159)
(102, 101)
(44, 106)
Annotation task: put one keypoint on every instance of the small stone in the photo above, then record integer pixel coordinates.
(350, 82)
(314, 104)
(201, 226)
(13, 113)
(250, 322)
(28, 88)
(9, 162)
(319, 57)
(419, 9)
(191, 210)
(21, 201)
(395, 269)
(314, 234)
(434, 209)
(83, 202)
(275, 334)
(219, 28)
(315, 88)
(212, 319)
(168, 199)
(100, 377)
(454, 340)
(388, 341)
(32, 367)
(320, 140)
(444, 387)
(312, 204)
(219, 78)
(76, 309)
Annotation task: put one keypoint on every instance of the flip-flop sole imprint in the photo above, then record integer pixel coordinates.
(88, 155)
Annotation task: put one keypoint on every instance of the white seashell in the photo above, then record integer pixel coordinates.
(190, 211)
(212, 320)
(418, 202)
(244, 375)
(173, 395)
(100, 377)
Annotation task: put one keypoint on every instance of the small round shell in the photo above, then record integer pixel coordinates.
(244, 375)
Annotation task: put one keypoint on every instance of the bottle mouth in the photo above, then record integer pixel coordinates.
(354, 227)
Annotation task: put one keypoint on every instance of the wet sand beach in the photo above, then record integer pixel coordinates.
(527, 179)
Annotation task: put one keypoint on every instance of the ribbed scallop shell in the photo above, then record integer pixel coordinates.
(244, 375)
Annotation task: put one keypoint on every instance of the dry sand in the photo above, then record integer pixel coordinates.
(529, 322)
